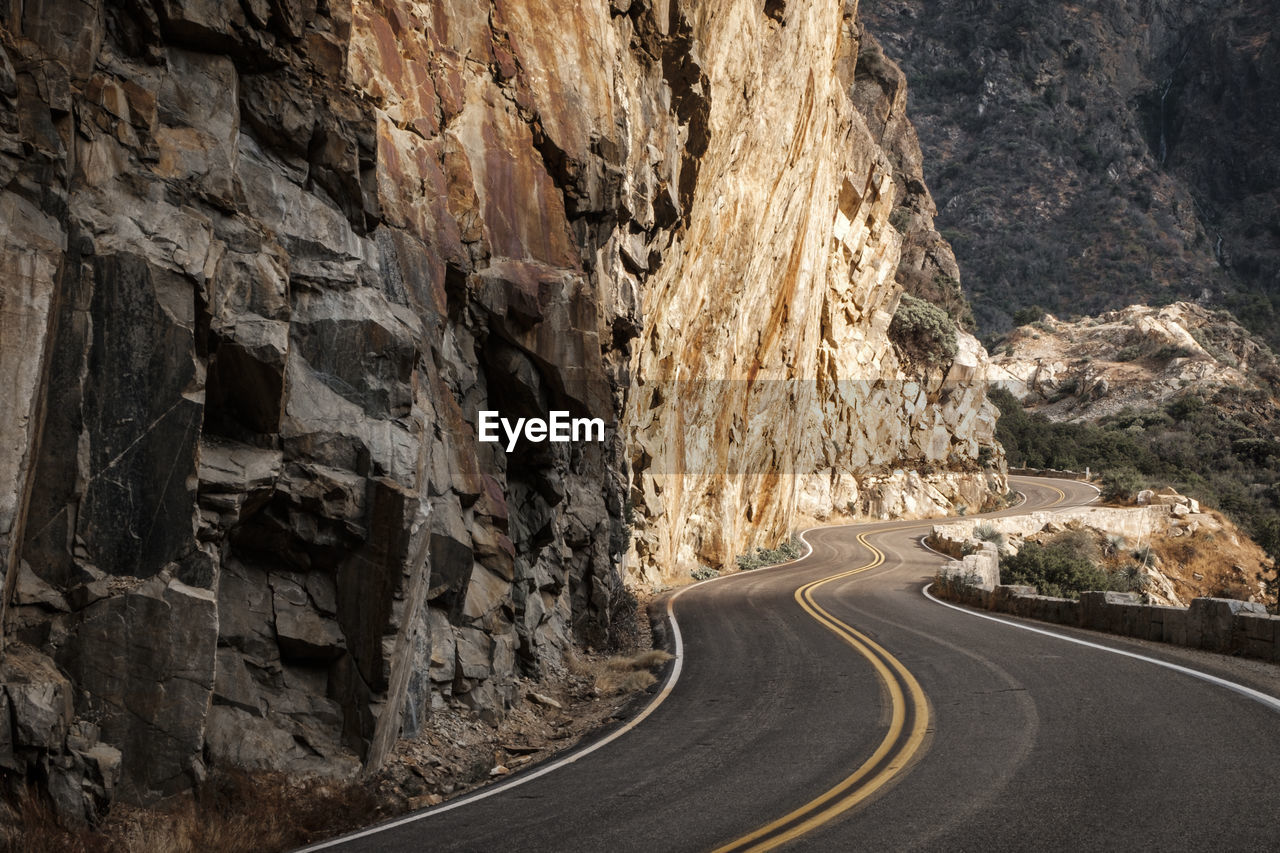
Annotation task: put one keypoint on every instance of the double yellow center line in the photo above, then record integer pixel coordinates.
(908, 726)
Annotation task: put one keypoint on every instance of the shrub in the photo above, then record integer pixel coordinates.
(1024, 316)
(1185, 407)
(924, 333)
(1169, 352)
(1121, 484)
(1078, 542)
(1129, 578)
(703, 573)
(1053, 570)
(988, 533)
(899, 219)
(1128, 353)
(950, 584)
(761, 557)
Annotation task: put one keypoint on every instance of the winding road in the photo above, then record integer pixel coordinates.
(829, 705)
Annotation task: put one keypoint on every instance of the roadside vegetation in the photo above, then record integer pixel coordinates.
(1222, 450)
(923, 332)
(1071, 563)
(988, 533)
(761, 557)
(237, 812)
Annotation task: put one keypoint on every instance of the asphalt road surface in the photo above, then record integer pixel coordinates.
(829, 705)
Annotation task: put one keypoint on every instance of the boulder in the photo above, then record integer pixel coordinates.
(144, 664)
(39, 699)
(302, 633)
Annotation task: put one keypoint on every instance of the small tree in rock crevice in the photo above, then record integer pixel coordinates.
(923, 332)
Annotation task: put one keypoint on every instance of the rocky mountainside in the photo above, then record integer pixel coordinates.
(1092, 155)
(1176, 396)
(263, 265)
(1138, 358)
(765, 381)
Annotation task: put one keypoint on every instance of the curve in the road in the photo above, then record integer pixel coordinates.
(771, 716)
(908, 727)
(901, 745)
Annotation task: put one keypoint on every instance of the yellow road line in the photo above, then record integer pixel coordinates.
(856, 787)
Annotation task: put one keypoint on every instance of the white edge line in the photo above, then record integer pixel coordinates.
(1256, 695)
(672, 677)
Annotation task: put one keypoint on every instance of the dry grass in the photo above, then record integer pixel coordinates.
(242, 812)
(627, 674)
(231, 813)
(27, 825)
(643, 660)
(1223, 563)
(613, 681)
(622, 673)
(951, 548)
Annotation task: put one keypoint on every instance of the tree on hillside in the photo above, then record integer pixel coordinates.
(1267, 534)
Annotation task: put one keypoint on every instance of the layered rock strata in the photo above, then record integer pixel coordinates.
(264, 264)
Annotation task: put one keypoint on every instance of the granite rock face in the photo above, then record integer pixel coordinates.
(766, 386)
(264, 264)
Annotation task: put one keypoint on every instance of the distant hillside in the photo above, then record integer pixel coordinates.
(1086, 156)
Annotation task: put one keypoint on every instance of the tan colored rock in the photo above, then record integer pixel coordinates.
(1138, 357)
(765, 359)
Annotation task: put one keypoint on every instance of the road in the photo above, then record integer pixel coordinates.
(828, 705)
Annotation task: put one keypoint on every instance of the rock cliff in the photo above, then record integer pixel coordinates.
(264, 263)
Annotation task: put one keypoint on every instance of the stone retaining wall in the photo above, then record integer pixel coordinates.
(1215, 624)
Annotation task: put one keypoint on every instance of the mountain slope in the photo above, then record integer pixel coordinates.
(1093, 155)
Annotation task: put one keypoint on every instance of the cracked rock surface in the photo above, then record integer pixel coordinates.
(264, 264)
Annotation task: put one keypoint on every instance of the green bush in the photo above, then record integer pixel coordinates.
(1078, 542)
(1128, 353)
(899, 219)
(1053, 570)
(924, 333)
(761, 557)
(1129, 578)
(1121, 484)
(1169, 352)
(1026, 316)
